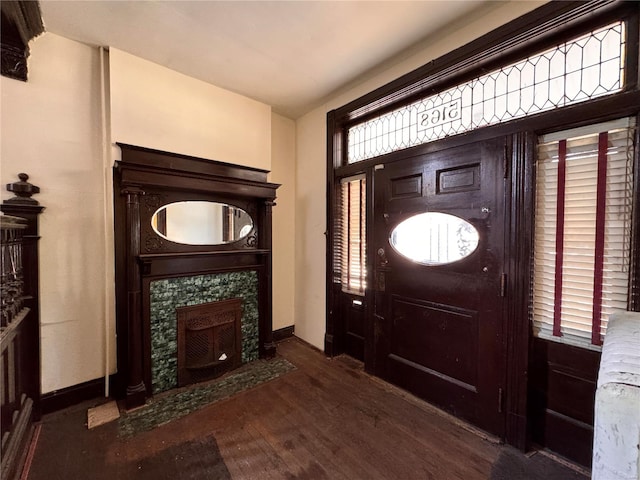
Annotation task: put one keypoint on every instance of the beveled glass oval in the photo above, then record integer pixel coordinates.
(201, 223)
(434, 238)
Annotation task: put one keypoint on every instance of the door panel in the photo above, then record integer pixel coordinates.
(440, 337)
(439, 327)
(353, 308)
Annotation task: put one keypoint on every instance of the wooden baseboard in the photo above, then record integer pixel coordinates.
(283, 333)
(70, 396)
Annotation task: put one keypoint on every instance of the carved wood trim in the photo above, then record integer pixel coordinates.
(144, 181)
(21, 339)
(21, 21)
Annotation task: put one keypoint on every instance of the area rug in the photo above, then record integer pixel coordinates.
(512, 465)
(178, 403)
(199, 458)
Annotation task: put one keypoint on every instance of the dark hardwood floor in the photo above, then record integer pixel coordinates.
(325, 420)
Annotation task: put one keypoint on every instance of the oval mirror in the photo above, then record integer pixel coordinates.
(201, 223)
(434, 238)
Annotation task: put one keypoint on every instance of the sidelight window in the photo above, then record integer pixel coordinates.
(584, 194)
(350, 239)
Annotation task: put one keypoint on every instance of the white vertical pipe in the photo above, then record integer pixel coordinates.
(106, 198)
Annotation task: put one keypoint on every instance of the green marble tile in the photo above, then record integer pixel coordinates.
(166, 295)
(172, 405)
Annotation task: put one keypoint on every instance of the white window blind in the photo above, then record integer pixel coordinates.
(350, 243)
(584, 188)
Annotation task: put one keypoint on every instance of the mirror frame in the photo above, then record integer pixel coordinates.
(151, 242)
(157, 215)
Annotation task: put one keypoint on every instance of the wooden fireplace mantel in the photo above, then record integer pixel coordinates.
(144, 181)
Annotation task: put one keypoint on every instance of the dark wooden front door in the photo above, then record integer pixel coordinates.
(439, 328)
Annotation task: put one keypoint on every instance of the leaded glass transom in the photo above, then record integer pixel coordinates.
(583, 69)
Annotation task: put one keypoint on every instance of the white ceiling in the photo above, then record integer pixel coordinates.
(288, 54)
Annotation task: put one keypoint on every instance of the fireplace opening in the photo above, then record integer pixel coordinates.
(209, 340)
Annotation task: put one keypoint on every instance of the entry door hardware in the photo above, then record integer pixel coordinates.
(503, 285)
(383, 256)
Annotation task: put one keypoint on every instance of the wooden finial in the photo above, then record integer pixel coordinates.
(23, 191)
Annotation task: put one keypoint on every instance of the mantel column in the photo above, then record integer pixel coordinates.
(136, 390)
(267, 345)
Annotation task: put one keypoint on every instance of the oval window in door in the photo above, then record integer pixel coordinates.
(434, 238)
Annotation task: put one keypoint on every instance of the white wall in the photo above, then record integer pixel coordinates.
(283, 171)
(155, 107)
(51, 130)
(311, 161)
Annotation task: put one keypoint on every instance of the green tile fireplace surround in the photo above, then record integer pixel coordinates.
(168, 294)
(156, 275)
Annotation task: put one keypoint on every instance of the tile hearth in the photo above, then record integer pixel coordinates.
(180, 402)
(168, 294)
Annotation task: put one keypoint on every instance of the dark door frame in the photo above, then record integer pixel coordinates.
(518, 196)
(544, 27)
(474, 391)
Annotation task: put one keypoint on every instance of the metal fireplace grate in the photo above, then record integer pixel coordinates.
(209, 340)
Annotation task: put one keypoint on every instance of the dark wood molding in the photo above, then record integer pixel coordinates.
(543, 27)
(29, 209)
(21, 21)
(144, 181)
(70, 396)
(284, 332)
(14, 62)
(135, 385)
(562, 388)
(529, 378)
(332, 156)
(519, 248)
(603, 109)
(21, 397)
(23, 191)
(267, 348)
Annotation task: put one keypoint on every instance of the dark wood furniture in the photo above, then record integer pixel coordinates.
(144, 181)
(20, 325)
(21, 21)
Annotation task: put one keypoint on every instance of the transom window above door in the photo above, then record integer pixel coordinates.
(582, 69)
